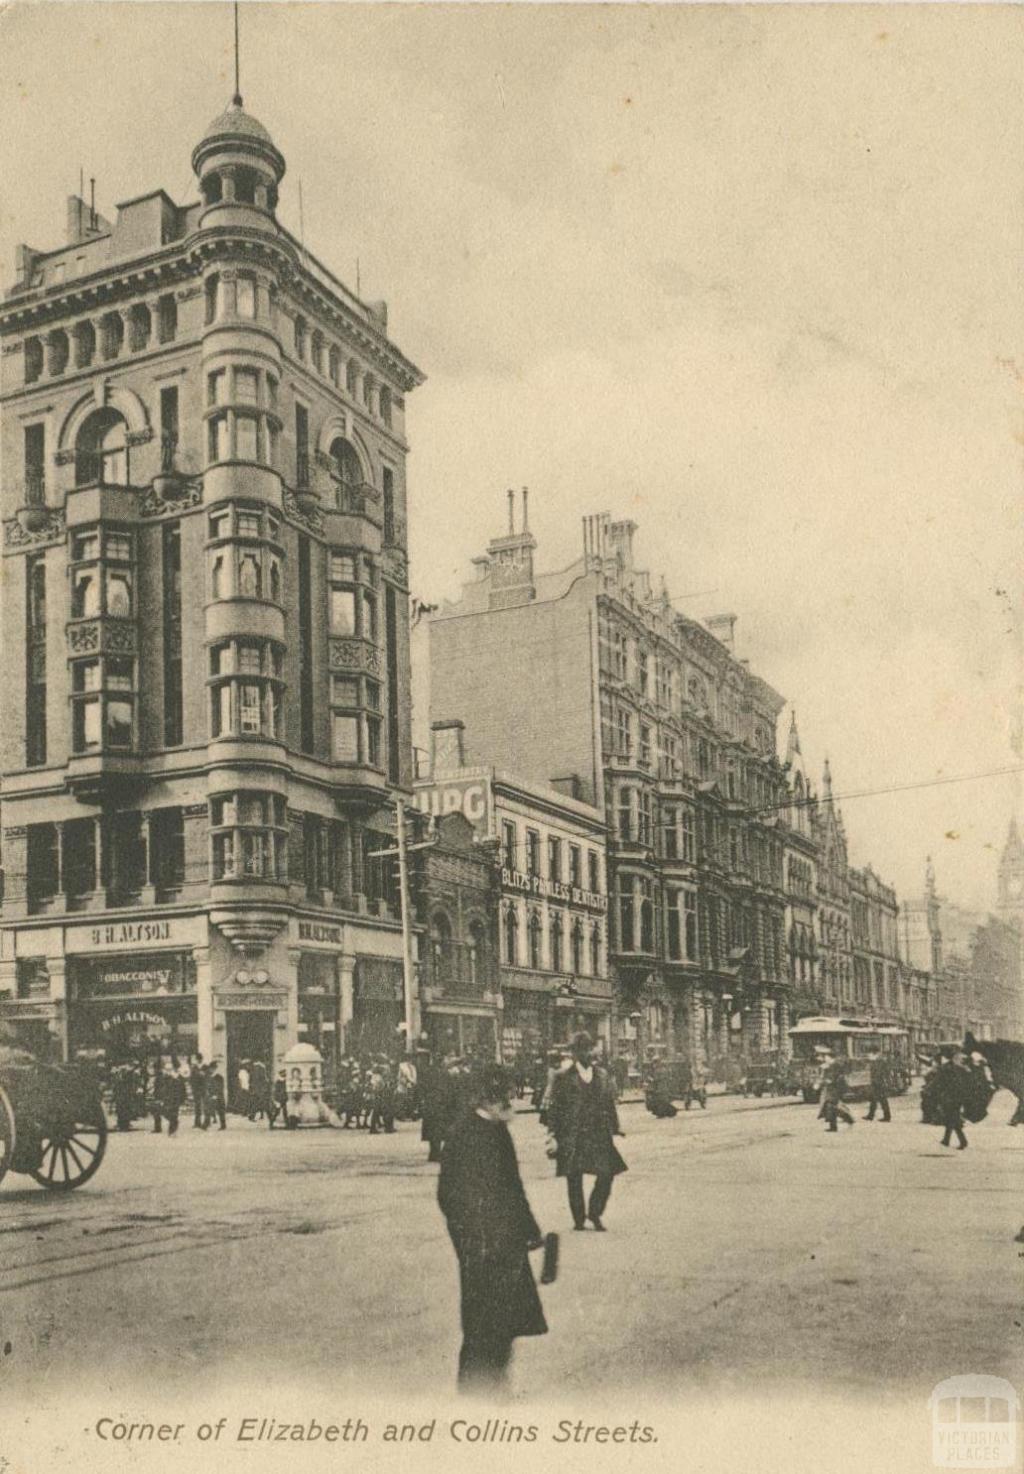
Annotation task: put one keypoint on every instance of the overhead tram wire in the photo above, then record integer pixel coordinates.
(807, 803)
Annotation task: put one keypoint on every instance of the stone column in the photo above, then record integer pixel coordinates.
(9, 978)
(60, 900)
(57, 968)
(97, 901)
(204, 1001)
(343, 864)
(148, 897)
(346, 983)
(292, 1007)
(197, 852)
(15, 870)
(358, 879)
(785, 1042)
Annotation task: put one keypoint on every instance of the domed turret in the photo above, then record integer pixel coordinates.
(237, 162)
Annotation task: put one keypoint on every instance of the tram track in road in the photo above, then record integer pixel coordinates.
(190, 1235)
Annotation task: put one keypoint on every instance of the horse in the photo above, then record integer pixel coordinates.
(1005, 1059)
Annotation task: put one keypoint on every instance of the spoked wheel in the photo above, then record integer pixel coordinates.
(7, 1134)
(71, 1149)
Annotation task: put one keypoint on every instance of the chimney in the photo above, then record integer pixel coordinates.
(618, 536)
(511, 513)
(723, 627)
(526, 518)
(447, 746)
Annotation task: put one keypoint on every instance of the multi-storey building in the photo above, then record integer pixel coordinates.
(552, 906)
(835, 959)
(800, 857)
(588, 678)
(873, 932)
(205, 627)
(455, 880)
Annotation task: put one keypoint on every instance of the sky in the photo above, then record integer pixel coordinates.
(749, 276)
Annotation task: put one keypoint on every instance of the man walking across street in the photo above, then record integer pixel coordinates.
(172, 1096)
(583, 1118)
(492, 1229)
(833, 1091)
(950, 1093)
(879, 1098)
(201, 1116)
(215, 1094)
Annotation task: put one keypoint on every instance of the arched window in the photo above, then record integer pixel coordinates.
(250, 577)
(511, 926)
(555, 942)
(440, 947)
(58, 352)
(595, 951)
(577, 947)
(346, 466)
(352, 378)
(212, 189)
(111, 334)
(140, 326)
(385, 405)
(245, 186)
(85, 343)
(334, 366)
(211, 289)
(535, 932)
(101, 450)
(317, 352)
(245, 295)
(646, 924)
(476, 955)
(300, 337)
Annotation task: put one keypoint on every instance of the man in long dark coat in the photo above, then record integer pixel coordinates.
(950, 1086)
(583, 1117)
(492, 1228)
(879, 1097)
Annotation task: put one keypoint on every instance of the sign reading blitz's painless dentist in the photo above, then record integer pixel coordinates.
(552, 890)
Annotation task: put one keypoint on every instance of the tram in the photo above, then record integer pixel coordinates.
(855, 1040)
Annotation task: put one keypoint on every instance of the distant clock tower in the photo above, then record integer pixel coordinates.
(1010, 904)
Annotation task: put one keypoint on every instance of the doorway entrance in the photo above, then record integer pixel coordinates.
(250, 1036)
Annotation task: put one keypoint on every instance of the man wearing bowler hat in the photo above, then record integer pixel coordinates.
(583, 1118)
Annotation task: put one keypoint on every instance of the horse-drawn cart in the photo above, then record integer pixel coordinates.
(52, 1124)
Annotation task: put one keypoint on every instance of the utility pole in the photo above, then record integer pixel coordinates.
(412, 1030)
(401, 850)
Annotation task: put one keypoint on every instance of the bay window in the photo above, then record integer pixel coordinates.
(246, 689)
(103, 703)
(102, 574)
(245, 557)
(248, 836)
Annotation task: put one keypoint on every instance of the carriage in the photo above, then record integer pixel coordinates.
(52, 1124)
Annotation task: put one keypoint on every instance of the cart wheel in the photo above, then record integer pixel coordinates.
(72, 1149)
(7, 1132)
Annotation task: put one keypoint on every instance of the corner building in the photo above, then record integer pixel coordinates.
(205, 629)
(589, 679)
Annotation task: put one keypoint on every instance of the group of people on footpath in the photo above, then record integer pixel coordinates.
(480, 1192)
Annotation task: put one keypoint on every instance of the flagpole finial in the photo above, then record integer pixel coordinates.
(236, 101)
